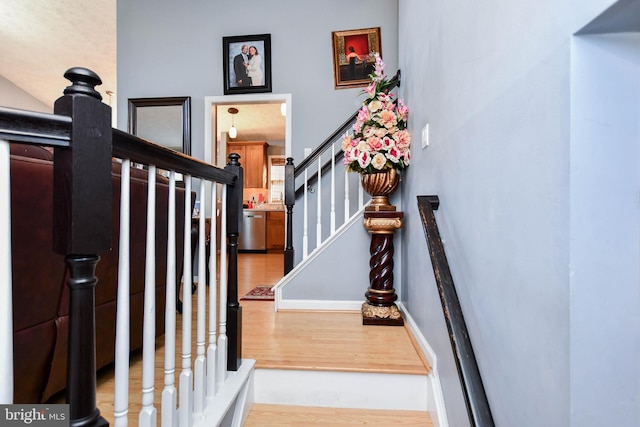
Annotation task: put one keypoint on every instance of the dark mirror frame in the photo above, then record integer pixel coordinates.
(182, 101)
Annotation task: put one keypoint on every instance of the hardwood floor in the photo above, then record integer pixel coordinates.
(332, 341)
(297, 416)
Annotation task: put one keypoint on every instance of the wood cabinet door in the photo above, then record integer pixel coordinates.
(253, 158)
(275, 230)
(256, 168)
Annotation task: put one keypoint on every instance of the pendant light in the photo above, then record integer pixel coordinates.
(233, 132)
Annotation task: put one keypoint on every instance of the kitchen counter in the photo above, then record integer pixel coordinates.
(267, 207)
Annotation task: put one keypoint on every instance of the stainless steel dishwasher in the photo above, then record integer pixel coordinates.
(253, 236)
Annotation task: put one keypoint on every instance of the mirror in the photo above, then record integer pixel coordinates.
(164, 121)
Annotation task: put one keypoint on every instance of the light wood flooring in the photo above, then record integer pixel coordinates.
(335, 341)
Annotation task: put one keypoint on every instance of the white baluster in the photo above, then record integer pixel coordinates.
(319, 205)
(169, 393)
(333, 188)
(121, 392)
(6, 305)
(186, 375)
(200, 362)
(221, 372)
(212, 350)
(360, 195)
(347, 213)
(148, 412)
(305, 224)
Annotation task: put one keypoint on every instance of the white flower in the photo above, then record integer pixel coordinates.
(375, 105)
(378, 161)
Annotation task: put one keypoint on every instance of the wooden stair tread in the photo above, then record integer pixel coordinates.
(263, 415)
(326, 340)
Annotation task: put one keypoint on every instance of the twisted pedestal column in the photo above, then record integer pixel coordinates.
(380, 309)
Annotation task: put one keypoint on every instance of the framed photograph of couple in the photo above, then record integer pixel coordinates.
(353, 56)
(247, 64)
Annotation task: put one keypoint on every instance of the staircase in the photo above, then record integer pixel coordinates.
(326, 368)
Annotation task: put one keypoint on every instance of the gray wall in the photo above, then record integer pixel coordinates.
(167, 48)
(494, 85)
(605, 166)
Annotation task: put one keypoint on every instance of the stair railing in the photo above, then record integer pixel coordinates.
(84, 147)
(472, 388)
(315, 184)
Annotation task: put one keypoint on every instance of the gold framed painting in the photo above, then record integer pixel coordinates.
(353, 56)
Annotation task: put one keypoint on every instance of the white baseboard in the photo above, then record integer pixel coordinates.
(437, 407)
(301, 304)
(341, 389)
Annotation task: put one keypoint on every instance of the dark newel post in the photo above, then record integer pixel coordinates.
(82, 229)
(289, 201)
(234, 221)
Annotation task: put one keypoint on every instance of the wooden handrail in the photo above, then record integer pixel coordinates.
(84, 146)
(141, 150)
(472, 388)
(34, 127)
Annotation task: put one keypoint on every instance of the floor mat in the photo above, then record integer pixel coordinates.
(262, 293)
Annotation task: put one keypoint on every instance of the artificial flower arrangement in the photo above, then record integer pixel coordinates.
(379, 140)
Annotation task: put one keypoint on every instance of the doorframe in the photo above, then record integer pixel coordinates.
(210, 131)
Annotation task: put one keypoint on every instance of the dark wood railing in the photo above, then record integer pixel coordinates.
(470, 379)
(80, 130)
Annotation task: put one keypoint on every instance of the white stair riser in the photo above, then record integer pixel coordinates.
(341, 389)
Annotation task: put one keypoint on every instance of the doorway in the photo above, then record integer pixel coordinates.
(250, 111)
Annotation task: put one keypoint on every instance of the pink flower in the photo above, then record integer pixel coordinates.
(363, 114)
(387, 119)
(379, 68)
(371, 90)
(403, 139)
(375, 143)
(402, 110)
(346, 142)
(385, 97)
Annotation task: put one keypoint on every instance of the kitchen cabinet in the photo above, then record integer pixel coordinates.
(275, 230)
(253, 158)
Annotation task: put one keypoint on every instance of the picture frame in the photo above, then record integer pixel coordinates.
(234, 63)
(165, 121)
(353, 56)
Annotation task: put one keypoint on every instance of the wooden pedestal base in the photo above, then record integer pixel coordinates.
(380, 309)
(389, 316)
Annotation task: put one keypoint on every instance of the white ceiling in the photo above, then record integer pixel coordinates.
(254, 122)
(41, 39)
